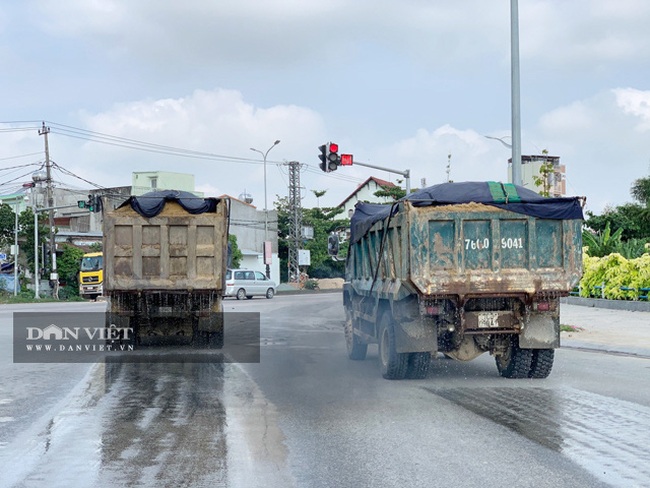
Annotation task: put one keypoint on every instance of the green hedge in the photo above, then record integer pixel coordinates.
(615, 272)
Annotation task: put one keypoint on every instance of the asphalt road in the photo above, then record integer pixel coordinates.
(306, 416)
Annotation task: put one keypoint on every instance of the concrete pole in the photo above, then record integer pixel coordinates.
(50, 203)
(16, 252)
(36, 273)
(515, 98)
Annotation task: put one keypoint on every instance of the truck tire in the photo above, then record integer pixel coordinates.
(515, 362)
(241, 294)
(393, 364)
(215, 340)
(208, 340)
(418, 365)
(542, 363)
(357, 350)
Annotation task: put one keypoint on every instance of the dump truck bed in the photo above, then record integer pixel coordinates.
(174, 250)
(463, 249)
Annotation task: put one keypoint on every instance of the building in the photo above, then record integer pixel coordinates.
(247, 224)
(530, 169)
(79, 226)
(145, 181)
(365, 192)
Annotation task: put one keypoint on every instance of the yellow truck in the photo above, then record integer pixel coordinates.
(91, 275)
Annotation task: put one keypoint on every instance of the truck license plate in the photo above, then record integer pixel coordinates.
(488, 320)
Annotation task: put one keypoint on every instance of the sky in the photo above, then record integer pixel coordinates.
(398, 84)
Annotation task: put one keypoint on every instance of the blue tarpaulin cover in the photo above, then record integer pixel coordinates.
(152, 203)
(505, 196)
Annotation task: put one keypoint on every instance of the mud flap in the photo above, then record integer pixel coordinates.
(540, 331)
(211, 323)
(417, 335)
(120, 328)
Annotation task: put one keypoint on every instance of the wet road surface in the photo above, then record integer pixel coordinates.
(305, 416)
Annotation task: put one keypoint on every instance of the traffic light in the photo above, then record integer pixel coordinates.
(329, 157)
(333, 158)
(323, 157)
(96, 204)
(346, 159)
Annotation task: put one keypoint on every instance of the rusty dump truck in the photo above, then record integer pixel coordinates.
(461, 269)
(165, 256)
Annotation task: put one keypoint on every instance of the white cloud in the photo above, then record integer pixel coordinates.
(637, 103)
(603, 141)
(218, 122)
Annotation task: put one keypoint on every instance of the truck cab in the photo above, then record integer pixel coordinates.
(91, 275)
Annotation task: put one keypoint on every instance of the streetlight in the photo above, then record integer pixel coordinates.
(509, 146)
(266, 212)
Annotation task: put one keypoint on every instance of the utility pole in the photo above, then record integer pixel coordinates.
(515, 95)
(54, 277)
(295, 222)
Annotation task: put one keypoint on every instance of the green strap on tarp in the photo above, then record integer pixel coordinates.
(503, 192)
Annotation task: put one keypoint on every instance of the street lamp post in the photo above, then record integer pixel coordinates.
(16, 250)
(266, 211)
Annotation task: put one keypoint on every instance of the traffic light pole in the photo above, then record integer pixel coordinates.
(406, 173)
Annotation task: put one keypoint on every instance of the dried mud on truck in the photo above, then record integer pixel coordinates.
(462, 269)
(165, 257)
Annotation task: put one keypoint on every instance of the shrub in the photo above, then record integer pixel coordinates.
(615, 272)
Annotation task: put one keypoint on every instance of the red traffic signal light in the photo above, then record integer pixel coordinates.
(333, 157)
(330, 160)
(346, 159)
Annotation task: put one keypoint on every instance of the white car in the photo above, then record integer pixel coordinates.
(245, 283)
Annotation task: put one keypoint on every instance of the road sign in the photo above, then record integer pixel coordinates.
(3, 256)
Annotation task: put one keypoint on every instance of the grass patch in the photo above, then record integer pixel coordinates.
(28, 297)
(570, 328)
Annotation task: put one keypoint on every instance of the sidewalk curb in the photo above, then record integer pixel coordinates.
(628, 305)
(306, 292)
(586, 346)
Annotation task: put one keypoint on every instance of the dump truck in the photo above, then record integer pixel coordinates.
(461, 269)
(91, 275)
(165, 256)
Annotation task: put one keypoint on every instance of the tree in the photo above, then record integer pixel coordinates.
(318, 194)
(544, 178)
(323, 221)
(641, 191)
(7, 223)
(602, 244)
(67, 266)
(394, 192)
(26, 234)
(234, 260)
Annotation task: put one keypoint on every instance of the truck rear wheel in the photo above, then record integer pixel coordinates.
(418, 365)
(356, 349)
(515, 362)
(208, 340)
(393, 364)
(542, 363)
